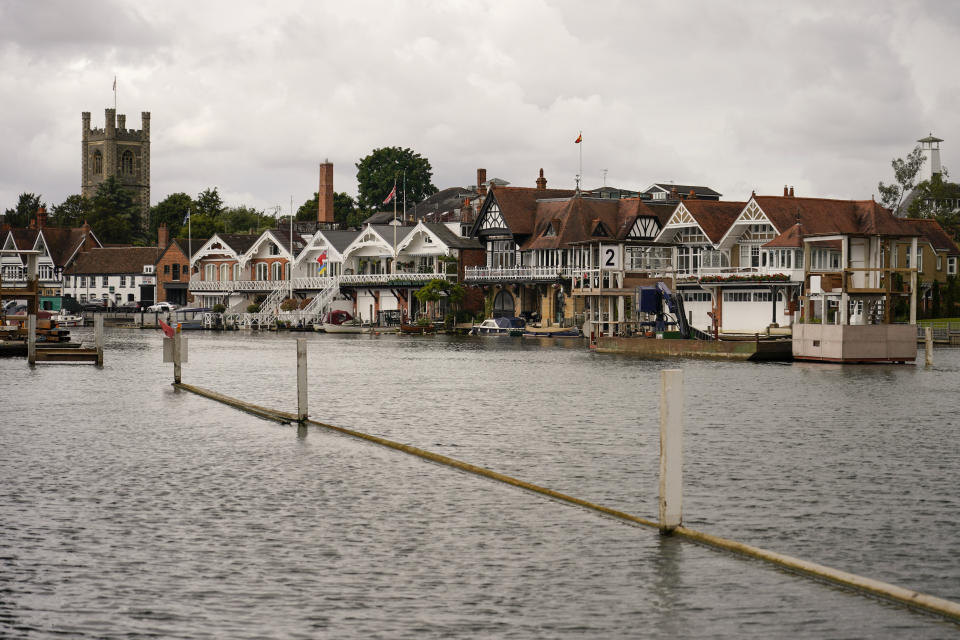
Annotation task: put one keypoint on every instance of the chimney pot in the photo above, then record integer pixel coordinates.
(163, 236)
(41, 217)
(481, 179)
(791, 192)
(541, 182)
(785, 192)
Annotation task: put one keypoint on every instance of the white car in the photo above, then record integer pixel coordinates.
(160, 307)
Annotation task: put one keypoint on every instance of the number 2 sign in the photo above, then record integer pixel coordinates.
(610, 257)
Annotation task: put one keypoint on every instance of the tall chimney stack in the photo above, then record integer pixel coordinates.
(325, 193)
(481, 179)
(786, 193)
(791, 191)
(163, 236)
(41, 217)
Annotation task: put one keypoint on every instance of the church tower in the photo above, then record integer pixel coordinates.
(117, 151)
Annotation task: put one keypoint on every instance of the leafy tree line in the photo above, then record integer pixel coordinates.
(116, 218)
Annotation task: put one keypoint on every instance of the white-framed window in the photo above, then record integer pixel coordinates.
(236, 271)
(696, 296)
(106, 281)
(83, 297)
(262, 272)
(82, 281)
(224, 272)
(951, 266)
(749, 255)
(919, 259)
(737, 296)
(123, 282)
(66, 282)
(939, 263)
(209, 272)
(277, 271)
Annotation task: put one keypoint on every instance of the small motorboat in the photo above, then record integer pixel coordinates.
(67, 319)
(499, 327)
(349, 326)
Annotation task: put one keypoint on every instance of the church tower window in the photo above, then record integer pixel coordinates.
(126, 163)
(97, 162)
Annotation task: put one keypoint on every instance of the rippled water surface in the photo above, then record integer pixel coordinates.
(129, 510)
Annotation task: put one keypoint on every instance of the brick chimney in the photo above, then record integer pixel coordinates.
(466, 211)
(481, 178)
(163, 236)
(791, 191)
(692, 195)
(786, 194)
(41, 217)
(673, 193)
(325, 193)
(541, 182)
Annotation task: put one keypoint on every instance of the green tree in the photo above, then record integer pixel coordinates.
(114, 215)
(209, 203)
(72, 212)
(25, 211)
(171, 211)
(905, 171)
(201, 226)
(937, 198)
(439, 288)
(244, 219)
(344, 209)
(378, 172)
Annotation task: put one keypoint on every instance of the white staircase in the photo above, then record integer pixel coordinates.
(314, 311)
(269, 308)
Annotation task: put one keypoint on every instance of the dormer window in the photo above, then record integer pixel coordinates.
(600, 231)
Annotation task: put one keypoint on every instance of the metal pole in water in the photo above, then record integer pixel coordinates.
(32, 339)
(928, 343)
(98, 337)
(671, 450)
(301, 379)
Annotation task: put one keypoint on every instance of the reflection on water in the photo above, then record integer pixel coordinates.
(130, 509)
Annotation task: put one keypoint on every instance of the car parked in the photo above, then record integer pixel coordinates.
(93, 305)
(130, 306)
(161, 307)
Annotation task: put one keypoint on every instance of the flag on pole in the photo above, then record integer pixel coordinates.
(322, 262)
(167, 329)
(114, 83)
(579, 138)
(186, 218)
(392, 195)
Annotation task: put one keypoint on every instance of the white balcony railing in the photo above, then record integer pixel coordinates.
(738, 273)
(494, 274)
(308, 284)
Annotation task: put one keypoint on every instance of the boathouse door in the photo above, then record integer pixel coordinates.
(503, 305)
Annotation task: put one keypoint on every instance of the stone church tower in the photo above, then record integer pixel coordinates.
(117, 151)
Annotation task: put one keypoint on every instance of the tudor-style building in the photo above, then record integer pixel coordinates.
(742, 272)
(57, 247)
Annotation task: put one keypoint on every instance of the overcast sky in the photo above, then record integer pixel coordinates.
(251, 97)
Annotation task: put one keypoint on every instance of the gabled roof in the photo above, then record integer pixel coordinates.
(340, 240)
(822, 216)
(714, 217)
(451, 239)
(792, 238)
(114, 260)
(62, 243)
(518, 205)
(932, 232)
(444, 201)
(239, 242)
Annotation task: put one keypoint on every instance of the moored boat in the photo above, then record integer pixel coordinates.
(349, 326)
(551, 332)
(505, 326)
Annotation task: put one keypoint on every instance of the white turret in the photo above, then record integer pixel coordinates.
(931, 149)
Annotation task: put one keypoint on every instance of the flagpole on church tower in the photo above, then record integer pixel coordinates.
(114, 93)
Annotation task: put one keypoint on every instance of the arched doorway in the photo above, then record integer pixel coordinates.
(503, 305)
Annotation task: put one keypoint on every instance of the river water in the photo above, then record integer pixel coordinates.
(131, 510)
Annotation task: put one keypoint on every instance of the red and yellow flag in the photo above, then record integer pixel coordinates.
(579, 138)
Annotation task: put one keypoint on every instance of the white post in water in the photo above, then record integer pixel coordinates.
(928, 343)
(301, 379)
(32, 339)
(671, 449)
(177, 342)
(98, 337)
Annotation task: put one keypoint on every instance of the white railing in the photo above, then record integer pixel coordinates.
(229, 286)
(316, 308)
(270, 307)
(387, 278)
(314, 283)
(739, 272)
(493, 274)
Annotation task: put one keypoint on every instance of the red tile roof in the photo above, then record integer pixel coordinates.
(114, 260)
(932, 232)
(518, 205)
(714, 216)
(822, 216)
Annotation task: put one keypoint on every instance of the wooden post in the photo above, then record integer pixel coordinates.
(671, 450)
(177, 341)
(928, 344)
(301, 379)
(913, 280)
(32, 338)
(98, 337)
